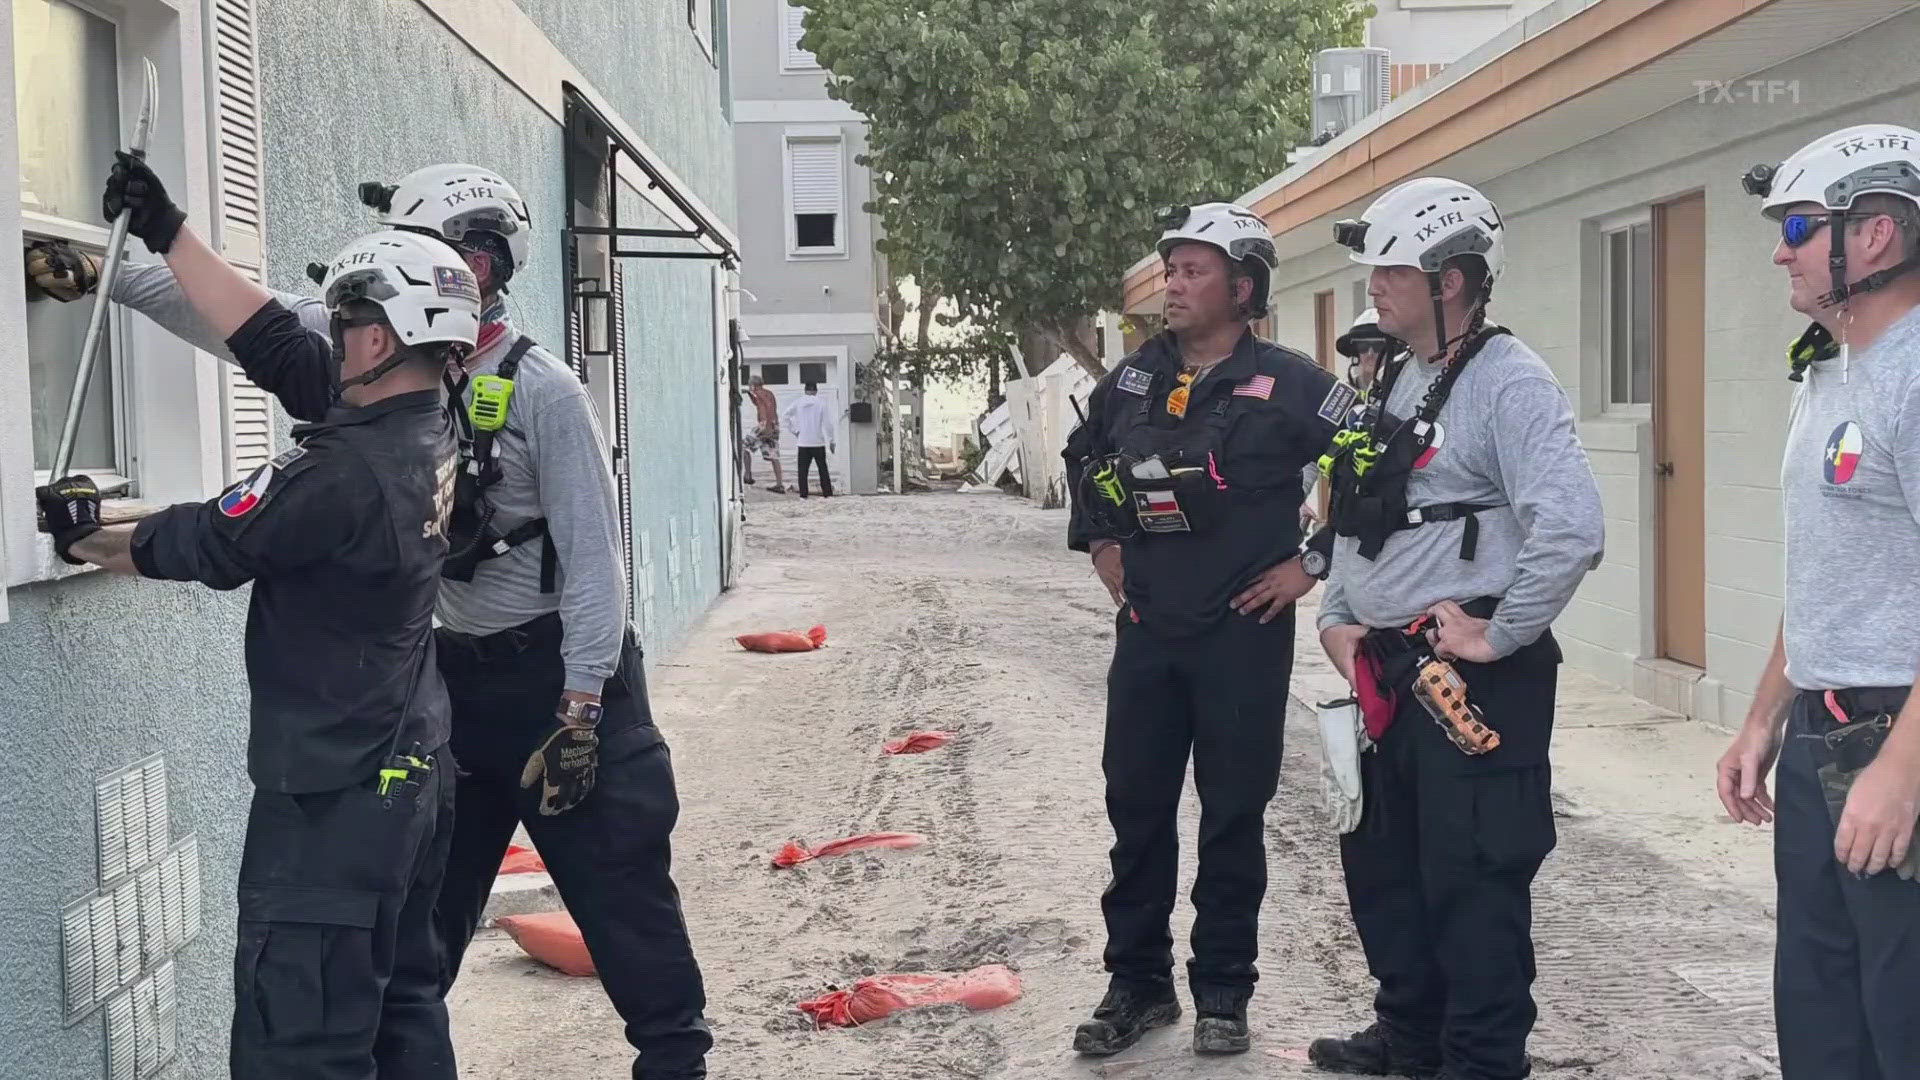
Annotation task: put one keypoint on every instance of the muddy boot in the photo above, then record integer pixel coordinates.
(1125, 1014)
(1220, 1026)
(1374, 1053)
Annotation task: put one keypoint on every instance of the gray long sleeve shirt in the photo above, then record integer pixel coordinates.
(553, 458)
(1507, 441)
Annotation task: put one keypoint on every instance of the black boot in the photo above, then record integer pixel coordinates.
(1220, 1026)
(1374, 1052)
(1125, 1014)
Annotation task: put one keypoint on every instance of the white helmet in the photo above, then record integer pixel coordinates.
(1238, 232)
(1365, 332)
(1425, 222)
(1834, 170)
(422, 286)
(452, 201)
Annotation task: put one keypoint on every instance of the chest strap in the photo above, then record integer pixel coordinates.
(1469, 537)
(481, 470)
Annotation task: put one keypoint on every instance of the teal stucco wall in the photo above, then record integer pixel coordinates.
(97, 673)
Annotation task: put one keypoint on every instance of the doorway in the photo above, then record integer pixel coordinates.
(1679, 427)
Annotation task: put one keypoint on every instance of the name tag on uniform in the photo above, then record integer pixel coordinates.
(1159, 512)
(1135, 381)
(1333, 408)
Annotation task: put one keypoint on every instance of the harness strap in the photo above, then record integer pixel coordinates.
(1470, 536)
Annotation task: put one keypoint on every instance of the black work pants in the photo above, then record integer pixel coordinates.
(610, 856)
(336, 975)
(1220, 696)
(815, 455)
(1847, 962)
(1440, 870)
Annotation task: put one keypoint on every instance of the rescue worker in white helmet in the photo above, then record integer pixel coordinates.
(1464, 516)
(342, 538)
(1187, 490)
(551, 724)
(1841, 675)
(1366, 348)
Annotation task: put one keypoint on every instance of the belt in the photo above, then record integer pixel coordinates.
(509, 642)
(1845, 706)
(1399, 639)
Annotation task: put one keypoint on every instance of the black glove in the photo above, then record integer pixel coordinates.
(133, 186)
(61, 270)
(564, 766)
(72, 507)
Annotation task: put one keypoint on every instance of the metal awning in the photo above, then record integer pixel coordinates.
(583, 118)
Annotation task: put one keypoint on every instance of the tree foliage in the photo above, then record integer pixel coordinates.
(1019, 147)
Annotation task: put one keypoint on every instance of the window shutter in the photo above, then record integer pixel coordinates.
(816, 176)
(239, 175)
(797, 57)
(619, 438)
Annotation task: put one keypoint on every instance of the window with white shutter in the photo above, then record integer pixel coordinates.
(239, 179)
(792, 56)
(816, 195)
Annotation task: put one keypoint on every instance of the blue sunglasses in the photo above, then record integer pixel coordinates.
(1797, 229)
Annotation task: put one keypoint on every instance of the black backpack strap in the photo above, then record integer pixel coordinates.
(510, 363)
(1470, 536)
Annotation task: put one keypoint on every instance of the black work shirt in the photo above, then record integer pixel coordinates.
(342, 538)
(1183, 582)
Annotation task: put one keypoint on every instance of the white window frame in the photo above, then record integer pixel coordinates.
(1447, 5)
(805, 133)
(790, 44)
(168, 401)
(1609, 227)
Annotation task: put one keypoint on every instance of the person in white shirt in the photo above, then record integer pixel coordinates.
(812, 427)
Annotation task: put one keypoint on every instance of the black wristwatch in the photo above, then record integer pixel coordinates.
(1314, 563)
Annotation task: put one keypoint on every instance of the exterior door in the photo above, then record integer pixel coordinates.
(1679, 425)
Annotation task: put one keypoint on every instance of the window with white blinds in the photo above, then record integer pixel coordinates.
(239, 186)
(816, 195)
(793, 57)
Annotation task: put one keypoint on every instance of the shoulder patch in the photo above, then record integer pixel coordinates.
(243, 497)
(1135, 381)
(1333, 408)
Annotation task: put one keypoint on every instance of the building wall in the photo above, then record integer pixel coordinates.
(810, 285)
(1439, 31)
(98, 672)
(1550, 296)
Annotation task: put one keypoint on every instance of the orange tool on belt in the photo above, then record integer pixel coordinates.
(1443, 693)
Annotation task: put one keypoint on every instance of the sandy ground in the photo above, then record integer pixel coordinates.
(966, 613)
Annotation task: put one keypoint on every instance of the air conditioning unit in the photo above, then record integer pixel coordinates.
(1348, 84)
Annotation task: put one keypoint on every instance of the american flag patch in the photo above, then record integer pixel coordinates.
(1260, 386)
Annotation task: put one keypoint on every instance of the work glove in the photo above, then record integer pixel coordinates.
(133, 186)
(61, 270)
(564, 767)
(1343, 737)
(72, 508)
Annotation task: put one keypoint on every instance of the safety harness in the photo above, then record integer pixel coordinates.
(1372, 459)
(474, 540)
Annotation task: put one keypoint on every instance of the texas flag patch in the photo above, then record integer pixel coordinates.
(246, 494)
(1260, 386)
(1843, 453)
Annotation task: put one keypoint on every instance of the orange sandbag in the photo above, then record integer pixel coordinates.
(785, 641)
(552, 938)
(920, 742)
(878, 996)
(796, 853)
(522, 860)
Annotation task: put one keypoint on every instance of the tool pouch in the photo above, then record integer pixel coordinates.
(1850, 748)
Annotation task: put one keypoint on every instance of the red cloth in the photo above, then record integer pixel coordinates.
(879, 996)
(1377, 703)
(796, 853)
(521, 860)
(782, 641)
(919, 742)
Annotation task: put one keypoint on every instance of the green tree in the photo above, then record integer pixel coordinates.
(1020, 147)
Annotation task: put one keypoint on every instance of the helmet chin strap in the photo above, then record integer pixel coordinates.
(378, 371)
